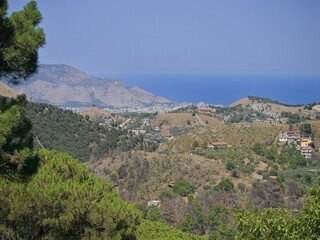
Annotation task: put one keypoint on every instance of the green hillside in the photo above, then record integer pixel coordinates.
(66, 131)
(50, 195)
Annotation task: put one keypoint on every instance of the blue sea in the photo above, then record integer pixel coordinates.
(226, 89)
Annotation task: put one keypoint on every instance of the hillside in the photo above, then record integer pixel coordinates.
(182, 120)
(145, 176)
(234, 134)
(63, 85)
(72, 133)
(270, 107)
(185, 175)
(95, 113)
(7, 91)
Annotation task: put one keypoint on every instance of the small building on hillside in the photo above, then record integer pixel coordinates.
(306, 152)
(305, 142)
(218, 144)
(283, 137)
(293, 135)
(138, 131)
(154, 203)
(146, 121)
(268, 121)
(204, 110)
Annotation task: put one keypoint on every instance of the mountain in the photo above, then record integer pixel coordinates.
(63, 85)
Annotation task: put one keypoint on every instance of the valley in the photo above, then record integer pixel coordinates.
(179, 164)
(196, 160)
(188, 120)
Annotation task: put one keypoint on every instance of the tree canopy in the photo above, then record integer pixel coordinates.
(20, 39)
(277, 223)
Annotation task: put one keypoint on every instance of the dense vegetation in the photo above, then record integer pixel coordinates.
(161, 231)
(274, 223)
(64, 201)
(49, 195)
(72, 133)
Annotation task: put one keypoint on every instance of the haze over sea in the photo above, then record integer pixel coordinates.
(226, 89)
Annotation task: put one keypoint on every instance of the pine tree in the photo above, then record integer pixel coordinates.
(20, 39)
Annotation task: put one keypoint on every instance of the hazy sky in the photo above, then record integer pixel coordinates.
(182, 36)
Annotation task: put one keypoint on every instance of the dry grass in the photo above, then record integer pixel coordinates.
(276, 109)
(7, 91)
(95, 113)
(243, 102)
(235, 134)
(164, 168)
(211, 121)
(316, 131)
(174, 119)
(181, 119)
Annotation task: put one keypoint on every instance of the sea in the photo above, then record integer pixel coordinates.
(226, 89)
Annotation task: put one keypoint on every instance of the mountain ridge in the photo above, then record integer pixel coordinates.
(66, 86)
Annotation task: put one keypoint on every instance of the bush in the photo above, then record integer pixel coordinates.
(161, 231)
(224, 185)
(183, 188)
(235, 173)
(230, 165)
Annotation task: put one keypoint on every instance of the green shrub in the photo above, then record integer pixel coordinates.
(63, 201)
(183, 188)
(224, 185)
(230, 165)
(161, 231)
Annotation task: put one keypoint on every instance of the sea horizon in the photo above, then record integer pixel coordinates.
(226, 89)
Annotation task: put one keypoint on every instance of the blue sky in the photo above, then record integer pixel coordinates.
(105, 37)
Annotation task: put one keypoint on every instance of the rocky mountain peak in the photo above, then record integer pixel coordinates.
(64, 85)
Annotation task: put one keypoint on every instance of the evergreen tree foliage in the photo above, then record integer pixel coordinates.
(69, 132)
(183, 188)
(161, 231)
(64, 201)
(16, 141)
(224, 185)
(49, 195)
(194, 220)
(278, 223)
(20, 39)
(154, 214)
(219, 223)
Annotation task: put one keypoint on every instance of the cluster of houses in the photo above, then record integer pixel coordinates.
(303, 144)
(156, 133)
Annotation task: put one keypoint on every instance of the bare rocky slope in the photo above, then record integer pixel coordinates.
(63, 85)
